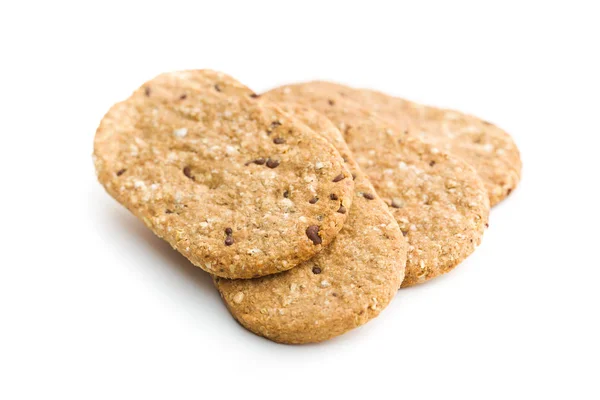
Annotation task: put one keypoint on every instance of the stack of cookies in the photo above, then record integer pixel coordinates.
(310, 205)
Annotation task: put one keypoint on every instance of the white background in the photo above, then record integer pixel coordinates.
(93, 306)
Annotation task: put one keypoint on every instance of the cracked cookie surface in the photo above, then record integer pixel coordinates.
(225, 179)
(344, 286)
(438, 200)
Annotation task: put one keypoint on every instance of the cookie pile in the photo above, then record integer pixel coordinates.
(310, 205)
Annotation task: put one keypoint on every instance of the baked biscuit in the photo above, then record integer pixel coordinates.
(344, 286)
(225, 179)
(438, 200)
(487, 148)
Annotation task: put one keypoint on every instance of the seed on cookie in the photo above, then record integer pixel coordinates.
(187, 171)
(342, 209)
(272, 163)
(121, 171)
(338, 178)
(368, 196)
(183, 97)
(313, 234)
(316, 270)
(333, 196)
(313, 200)
(147, 91)
(279, 140)
(217, 87)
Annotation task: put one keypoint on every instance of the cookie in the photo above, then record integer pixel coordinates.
(487, 148)
(438, 200)
(225, 179)
(344, 286)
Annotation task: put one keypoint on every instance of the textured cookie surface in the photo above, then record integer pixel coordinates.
(342, 287)
(438, 200)
(487, 148)
(226, 180)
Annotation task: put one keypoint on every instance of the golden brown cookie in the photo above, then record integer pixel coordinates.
(225, 179)
(487, 148)
(438, 200)
(344, 286)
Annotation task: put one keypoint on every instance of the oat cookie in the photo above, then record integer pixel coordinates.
(344, 286)
(225, 179)
(438, 200)
(487, 148)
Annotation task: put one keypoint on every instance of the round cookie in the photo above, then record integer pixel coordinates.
(344, 286)
(487, 148)
(438, 200)
(225, 179)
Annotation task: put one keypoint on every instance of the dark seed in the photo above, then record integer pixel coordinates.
(431, 163)
(487, 225)
(334, 294)
(316, 270)
(353, 176)
(275, 124)
(147, 91)
(333, 196)
(342, 209)
(168, 211)
(313, 200)
(395, 204)
(508, 191)
(228, 241)
(258, 161)
(228, 231)
(313, 234)
(368, 196)
(254, 95)
(217, 87)
(404, 233)
(279, 140)
(188, 172)
(286, 194)
(345, 158)
(183, 97)
(331, 102)
(121, 172)
(338, 178)
(272, 163)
